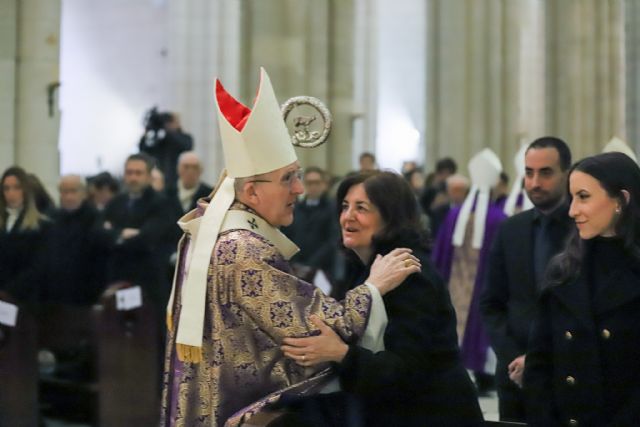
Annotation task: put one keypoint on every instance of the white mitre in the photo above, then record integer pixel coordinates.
(254, 141)
(517, 189)
(618, 145)
(484, 170)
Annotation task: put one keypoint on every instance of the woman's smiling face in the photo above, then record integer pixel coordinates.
(360, 220)
(593, 210)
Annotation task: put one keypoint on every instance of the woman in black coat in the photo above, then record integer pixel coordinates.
(418, 379)
(583, 364)
(23, 232)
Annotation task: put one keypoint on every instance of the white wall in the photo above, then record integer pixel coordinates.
(400, 63)
(113, 68)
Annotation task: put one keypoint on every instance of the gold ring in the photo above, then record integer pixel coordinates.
(303, 357)
(407, 262)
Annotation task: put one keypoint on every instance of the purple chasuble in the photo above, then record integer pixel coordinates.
(475, 342)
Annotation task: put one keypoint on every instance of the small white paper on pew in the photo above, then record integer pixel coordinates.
(8, 314)
(321, 281)
(129, 298)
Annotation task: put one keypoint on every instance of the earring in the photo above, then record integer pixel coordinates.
(618, 210)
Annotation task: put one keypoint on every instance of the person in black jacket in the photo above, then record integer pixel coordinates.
(164, 140)
(315, 229)
(523, 246)
(138, 222)
(582, 363)
(418, 379)
(23, 231)
(73, 270)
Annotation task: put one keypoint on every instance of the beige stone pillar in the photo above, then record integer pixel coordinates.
(632, 67)
(8, 53)
(37, 116)
(585, 73)
(204, 41)
(307, 48)
(472, 71)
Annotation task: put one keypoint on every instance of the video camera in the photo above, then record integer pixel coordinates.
(154, 126)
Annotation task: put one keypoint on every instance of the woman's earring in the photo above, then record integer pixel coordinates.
(618, 210)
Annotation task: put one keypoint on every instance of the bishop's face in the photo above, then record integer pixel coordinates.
(277, 192)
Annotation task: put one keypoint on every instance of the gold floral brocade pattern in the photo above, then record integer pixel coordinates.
(253, 302)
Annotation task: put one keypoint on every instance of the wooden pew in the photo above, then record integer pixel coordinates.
(115, 376)
(18, 371)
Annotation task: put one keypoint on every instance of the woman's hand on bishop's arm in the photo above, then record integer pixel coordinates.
(311, 351)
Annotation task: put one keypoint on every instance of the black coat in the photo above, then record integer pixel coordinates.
(583, 362)
(167, 150)
(19, 252)
(315, 231)
(74, 266)
(508, 302)
(419, 379)
(143, 259)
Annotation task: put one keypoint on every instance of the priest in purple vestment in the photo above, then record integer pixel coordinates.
(234, 297)
(460, 255)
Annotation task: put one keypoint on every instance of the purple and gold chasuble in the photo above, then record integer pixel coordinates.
(253, 302)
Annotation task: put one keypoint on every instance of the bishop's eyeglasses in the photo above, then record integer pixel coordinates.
(287, 179)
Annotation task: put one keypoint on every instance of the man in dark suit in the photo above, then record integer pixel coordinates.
(138, 221)
(519, 254)
(188, 188)
(315, 228)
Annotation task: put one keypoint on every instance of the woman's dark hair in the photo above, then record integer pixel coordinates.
(615, 172)
(397, 204)
(32, 216)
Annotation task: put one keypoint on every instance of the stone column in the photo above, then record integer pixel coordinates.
(37, 116)
(296, 41)
(472, 69)
(204, 43)
(8, 54)
(585, 73)
(632, 60)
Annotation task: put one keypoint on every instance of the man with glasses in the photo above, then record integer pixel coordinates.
(234, 297)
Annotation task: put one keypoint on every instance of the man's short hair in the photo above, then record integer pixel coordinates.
(446, 164)
(148, 160)
(564, 153)
(186, 154)
(367, 154)
(103, 180)
(315, 169)
(82, 182)
(458, 179)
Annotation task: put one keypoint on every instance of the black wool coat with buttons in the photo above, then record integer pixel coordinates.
(583, 363)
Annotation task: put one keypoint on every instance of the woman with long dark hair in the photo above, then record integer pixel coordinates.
(582, 366)
(22, 234)
(418, 379)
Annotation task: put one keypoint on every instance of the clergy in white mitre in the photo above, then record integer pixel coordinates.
(234, 297)
(460, 254)
(616, 144)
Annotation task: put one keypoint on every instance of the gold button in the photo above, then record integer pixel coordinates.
(573, 422)
(568, 335)
(605, 334)
(571, 380)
